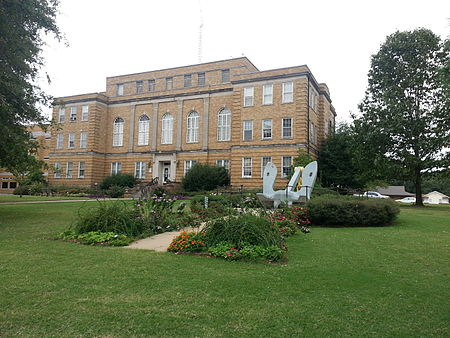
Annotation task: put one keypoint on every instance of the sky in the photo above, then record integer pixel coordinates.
(335, 39)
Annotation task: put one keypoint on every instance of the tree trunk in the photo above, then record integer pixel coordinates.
(418, 185)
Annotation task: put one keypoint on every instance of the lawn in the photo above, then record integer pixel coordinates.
(391, 281)
(31, 198)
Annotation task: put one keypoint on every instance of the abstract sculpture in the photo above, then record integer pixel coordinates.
(303, 178)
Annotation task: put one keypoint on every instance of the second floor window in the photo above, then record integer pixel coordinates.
(169, 83)
(62, 115)
(151, 85)
(187, 80)
(201, 79)
(267, 129)
(248, 130)
(118, 132)
(248, 96)
(59, 141)
(84, 112)
(139, 87)
(73, 113)
(71, 143)
(287, 92)
(224, 125)
(144, 130)
(192, 127)
(286, 128)
(120, 89)
(225, 75)
(167, 129)
(83, 139)
(268, 94)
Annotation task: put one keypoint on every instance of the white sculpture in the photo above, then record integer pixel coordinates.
(304, 179)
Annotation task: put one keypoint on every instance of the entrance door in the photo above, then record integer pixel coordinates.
(166, 171)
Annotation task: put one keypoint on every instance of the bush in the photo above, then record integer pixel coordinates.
(228, 251)
(115, 191)
(242, 230)
(97, 237)
(22, 190)
(204, 177)
(347, 211)
(114, 217)
(188, 242)
(121, 180)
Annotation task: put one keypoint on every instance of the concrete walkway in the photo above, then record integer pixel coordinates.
(159, 242)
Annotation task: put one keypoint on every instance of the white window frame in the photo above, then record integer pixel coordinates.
(224, 125)
(81, 169)
(262, 163)
(152, 85)
(69, 170)
(193, 126)
(283, 128)
(139, 170)
(263, 129)
(283, 167)
(223, 163)
(246, 124)
(57, 169)
(85, 112)
(167, 129)
(201, 79)
(139, 87)
(118, 126)
(312, 133)
(313, 97)
(73, 114)
(120, 89)
(249, 94)
(169, 83)
(83, 139)
(59, 141)
(187, 80)
(287, 95)
(267, 97)
(71, 141)
(116, 167)
(143, 130)
(247, 164)
(225, 75)
(62, 115)
(188, 164)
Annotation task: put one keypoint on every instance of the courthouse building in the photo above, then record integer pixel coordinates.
(160, 123)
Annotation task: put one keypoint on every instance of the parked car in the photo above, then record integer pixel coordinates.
(371, 194)
(407, 200)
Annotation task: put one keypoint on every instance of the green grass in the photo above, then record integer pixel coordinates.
(391, 281)
(27, 198)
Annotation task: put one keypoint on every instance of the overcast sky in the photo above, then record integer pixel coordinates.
(334, 38)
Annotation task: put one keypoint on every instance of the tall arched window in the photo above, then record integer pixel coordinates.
(224, 125)
(167, 129)
(144, 128)
(192, 127)
(118, 132)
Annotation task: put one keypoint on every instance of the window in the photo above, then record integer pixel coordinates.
(246, 167)
(188, 165)
(116, 167)
(312, 133)
(59, 141)
(286, 126)
(287, 92)
(12, 185)
(84, 112)
(71, 143)
(201, 79)
(69, 169)
(266, 129)
(81, 166)
(143, 130)
(169, 83)
(264, 161)
(192, 127)
(187, 80)
(248, 130)
(73, 113)
(118, 132)
(167, 129)
(224, 125)
(57, 169)
(267, 94)
(225, 75)
(287, 166)
(139, 170)
(83, 139)
(4, 185)
(139, 87)
(248, 96)
(120, 89)
(223, 163)
(62, 115)
(313, 95)
(151, 85)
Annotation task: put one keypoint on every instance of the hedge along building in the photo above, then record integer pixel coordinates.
(160, 123)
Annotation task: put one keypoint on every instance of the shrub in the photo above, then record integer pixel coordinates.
(114, 217)
(188, 242)
(338, 211)
(22, 190)
(205, 177)
(228, 251)
(242, 230)
(115, 191)
(157, 213)
(97, 237)
(121, 180)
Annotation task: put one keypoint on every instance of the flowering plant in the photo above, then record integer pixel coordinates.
(155, 212)
(188, 242)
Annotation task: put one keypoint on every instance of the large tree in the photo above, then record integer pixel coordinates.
(23, 23)
(405, 124)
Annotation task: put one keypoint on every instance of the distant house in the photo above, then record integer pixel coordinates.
(394, 191)
(435, 197)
